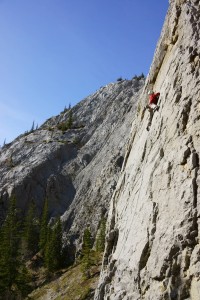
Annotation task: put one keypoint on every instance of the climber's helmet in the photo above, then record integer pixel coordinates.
(150, 92)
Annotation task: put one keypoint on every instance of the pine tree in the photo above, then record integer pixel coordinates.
(86, 252)
(48, 249)
(44, 227)
(31, 231)
(100, 241)
(70, 120)
(56, 243)
(22, 281)
(11, 264)
(32, 127)
(53, 250)
(9, 248)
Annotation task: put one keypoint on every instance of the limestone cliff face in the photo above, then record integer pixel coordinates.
(75, 169)
(153, 230)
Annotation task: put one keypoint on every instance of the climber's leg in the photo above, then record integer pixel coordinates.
(150, 118)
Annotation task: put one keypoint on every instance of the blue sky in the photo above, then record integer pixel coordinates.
(56, 52)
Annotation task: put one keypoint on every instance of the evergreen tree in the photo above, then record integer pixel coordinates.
(86, 252)
(142, 75)
(48, 249)
(31, 231)
(22, 280)
(32, 127)
(56, 243)
(100, 241)
(11, 264)
(70, 120)
(9, 248)
(44, 227)
(53, 249)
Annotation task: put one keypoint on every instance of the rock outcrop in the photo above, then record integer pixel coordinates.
(153, 230)
(75, 169)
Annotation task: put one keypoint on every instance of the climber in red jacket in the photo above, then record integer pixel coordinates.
(152, 106)
(153, 100)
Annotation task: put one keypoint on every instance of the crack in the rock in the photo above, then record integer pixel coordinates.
(185, 114)
(148, 245)
(144, 151)
(129, 147)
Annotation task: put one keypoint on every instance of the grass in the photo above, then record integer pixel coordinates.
(71, 285)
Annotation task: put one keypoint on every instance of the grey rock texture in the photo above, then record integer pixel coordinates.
(75, 169)
(153, 231)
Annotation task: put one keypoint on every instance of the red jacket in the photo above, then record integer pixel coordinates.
(153, 98)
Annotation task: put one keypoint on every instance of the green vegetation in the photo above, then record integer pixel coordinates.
(138, 77)
(80, 280)
(20, 243)
(68, 124)
(76, 141)
(70, 119)
(101, 235)
(9, 162)
(50, 242)
(87, 254)
(32, 127)
(91, 257)
(31, 231)
(53, 247)
(66, 109)
(32, 253)
(14, 275)
(44, 227)
(72, 284)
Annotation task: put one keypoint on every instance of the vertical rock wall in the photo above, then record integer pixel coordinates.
(153, 233)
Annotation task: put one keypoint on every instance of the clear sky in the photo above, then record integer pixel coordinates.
(56, 52)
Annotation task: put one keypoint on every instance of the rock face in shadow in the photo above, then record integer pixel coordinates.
(76, 169)
(153, 230)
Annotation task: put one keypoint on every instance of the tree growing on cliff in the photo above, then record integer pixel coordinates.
(67, 124)
(70, 120)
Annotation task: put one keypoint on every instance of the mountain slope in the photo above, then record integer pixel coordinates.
(152, 249)
(77, 168)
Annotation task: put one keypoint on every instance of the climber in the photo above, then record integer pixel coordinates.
(153, 100)
(152, 106)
